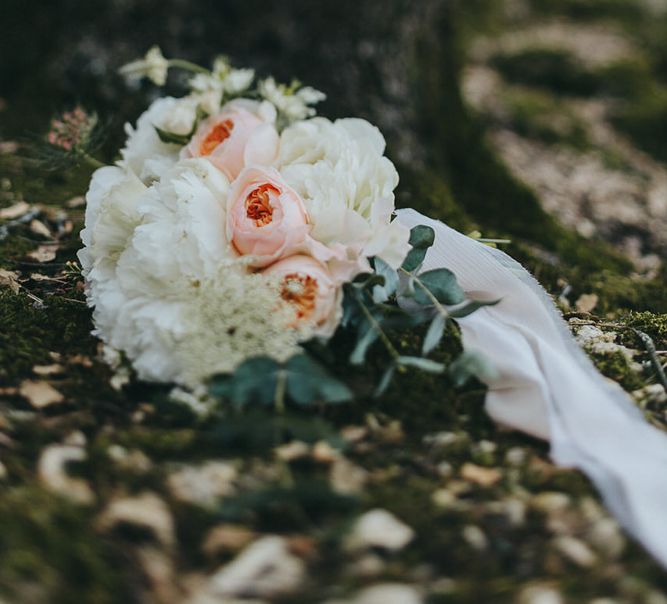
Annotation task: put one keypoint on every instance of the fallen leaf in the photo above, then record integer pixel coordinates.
(7, 147)
(586, 302)
(484, 477)
(44, 253)
(75, 202)
(40, 394)
(9, 279)
(79, 359)
(18, 209)
(45, 370)
(40, 277)
(39, 228)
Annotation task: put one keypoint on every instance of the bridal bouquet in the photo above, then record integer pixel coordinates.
(238, 230)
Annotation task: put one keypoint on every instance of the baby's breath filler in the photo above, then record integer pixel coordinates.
(235, 317)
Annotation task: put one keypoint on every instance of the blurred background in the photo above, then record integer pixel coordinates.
(569, 96)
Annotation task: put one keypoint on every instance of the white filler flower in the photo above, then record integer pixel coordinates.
(153, 66)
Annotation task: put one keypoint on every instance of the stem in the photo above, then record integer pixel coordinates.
(188, 66)
(439, 307)
(92, 162)
(281, 385)
(383, 336)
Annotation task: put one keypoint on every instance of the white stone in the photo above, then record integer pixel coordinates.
(264, 569)
(379, 528)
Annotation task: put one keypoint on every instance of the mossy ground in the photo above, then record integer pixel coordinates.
(56, 550)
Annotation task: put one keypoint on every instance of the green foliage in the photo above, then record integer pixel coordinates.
(263, 381)
(48, 554)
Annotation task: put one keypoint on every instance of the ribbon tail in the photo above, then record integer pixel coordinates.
(547, 387)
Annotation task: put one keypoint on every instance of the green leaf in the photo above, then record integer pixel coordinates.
(434, 334)
(307, 382)
(469, 307)
(471, 364)
(172, 137)
(385, 380)
(381, 293)
(253, 382)
(256, 381)
(443, 286)
(366, 339)
(421, 238)
(420, 363)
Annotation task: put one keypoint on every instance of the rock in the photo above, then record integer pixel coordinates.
(575, 550)
(264, 569)
(133, 461)
(539, 594)
(347, 478)
(378, 528)
(226, 538)
(441, 439)
(551, 502)
(475, 537)
(146, 510)
(293, 450)
(605, 535)
(40, 394)
(52, 472)
(10, 279)
(484, 477)
(385, 593)
(203, 485)
(516, 456)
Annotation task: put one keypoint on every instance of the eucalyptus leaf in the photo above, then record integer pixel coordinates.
(471, 364)
(256, 382)
(171, 137)
(382, 292)
(434, 334)
(366, 339)
(421, 238)
(421, 363)
(385, 380)
(307, 382)
(442, 285)
(469, 307)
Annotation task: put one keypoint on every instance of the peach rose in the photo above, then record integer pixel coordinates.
(266, 218)
(234, 138)
(308, 285)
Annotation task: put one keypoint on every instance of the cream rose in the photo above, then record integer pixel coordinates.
(309, 287)
(242, 133)
(266, 219)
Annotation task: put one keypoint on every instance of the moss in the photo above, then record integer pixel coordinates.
(655, 325)
(554, 69)
(30, 332)
(538, 115)
(49, 553)
(643, 119)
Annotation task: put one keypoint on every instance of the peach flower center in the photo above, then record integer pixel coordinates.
(219, 133)
(258, 204)
(301, 292)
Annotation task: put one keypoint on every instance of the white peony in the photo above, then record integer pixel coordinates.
(144, 153)
(111, 217)
(173, 296)
(339, 170)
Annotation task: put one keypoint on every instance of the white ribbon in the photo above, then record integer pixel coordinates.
(546, 386)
